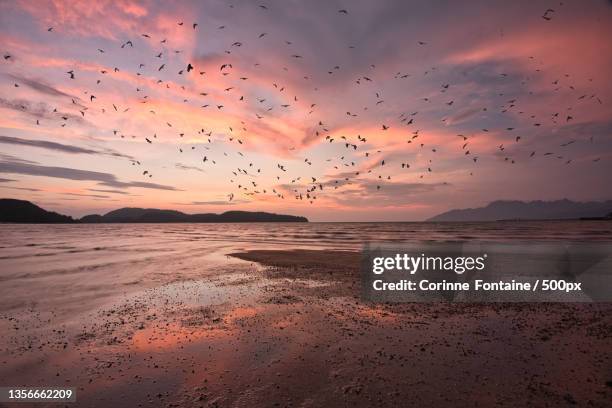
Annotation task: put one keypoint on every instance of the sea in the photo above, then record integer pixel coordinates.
(125, 312)
(68, 267)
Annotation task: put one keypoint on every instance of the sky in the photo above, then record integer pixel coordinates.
(335, 110)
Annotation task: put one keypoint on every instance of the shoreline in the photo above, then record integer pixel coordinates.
(287, 327)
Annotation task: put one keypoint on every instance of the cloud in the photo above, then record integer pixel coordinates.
(14, 159)
(485, 59)
(87, 195)
(181, 166)
(216, 202)
(106, 179)
(22, 188)
(463, 115)
(5, 180)
(39, 110)
(40, 86)
(365, 192)
(44, 144)
(109, 191)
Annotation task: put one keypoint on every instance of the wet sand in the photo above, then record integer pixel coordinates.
(288, 328)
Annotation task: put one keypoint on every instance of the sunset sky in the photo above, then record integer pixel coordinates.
(465, 102)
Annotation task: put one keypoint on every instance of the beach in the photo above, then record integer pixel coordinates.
(305, 204)
(272, 315)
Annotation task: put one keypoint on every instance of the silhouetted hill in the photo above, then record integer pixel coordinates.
(137, 215)
(144, 215)
(532, 210)
(21, 211)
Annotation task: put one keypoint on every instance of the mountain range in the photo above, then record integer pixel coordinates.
(20, 211)
(531, 210)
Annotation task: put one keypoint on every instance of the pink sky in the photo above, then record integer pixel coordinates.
(274, 128)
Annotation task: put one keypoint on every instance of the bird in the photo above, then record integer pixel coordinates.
(546, 15)
(291, 93)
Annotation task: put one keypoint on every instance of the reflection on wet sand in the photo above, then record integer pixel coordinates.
(194, 327)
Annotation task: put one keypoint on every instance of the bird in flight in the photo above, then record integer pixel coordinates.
(335, 105)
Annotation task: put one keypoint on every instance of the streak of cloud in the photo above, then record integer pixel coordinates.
(105, 179)
(44, 144)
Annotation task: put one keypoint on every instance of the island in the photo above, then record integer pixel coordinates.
(505, 210)
(21, 211)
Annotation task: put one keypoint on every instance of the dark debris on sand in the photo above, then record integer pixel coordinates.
(296, 333)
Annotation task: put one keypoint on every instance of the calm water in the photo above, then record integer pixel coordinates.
(49, 240)
(70, 266)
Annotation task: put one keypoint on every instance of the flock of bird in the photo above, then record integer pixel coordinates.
(360, 162)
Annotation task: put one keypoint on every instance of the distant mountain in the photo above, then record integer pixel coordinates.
(19, 211)
(532, 210)
(137, 215)
(22, 211)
